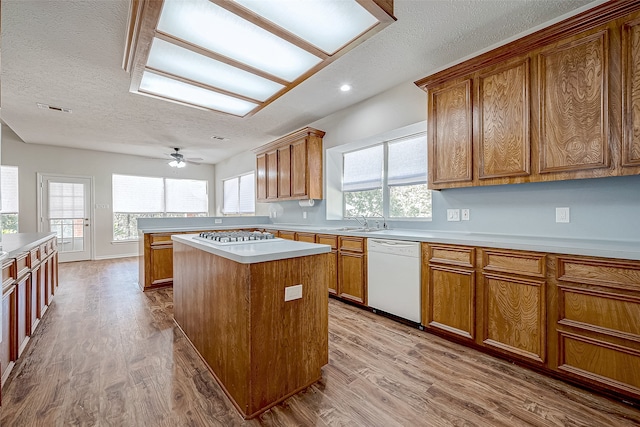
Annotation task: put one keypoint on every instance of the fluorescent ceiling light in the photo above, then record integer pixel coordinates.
(238, 56)
(175, 60)
(335, 22)
(173, 89)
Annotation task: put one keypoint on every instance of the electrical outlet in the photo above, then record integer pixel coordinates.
(304, 215)
(217, 221)
(563, 215)
(453, 214)
(465, 214)
(292, 292)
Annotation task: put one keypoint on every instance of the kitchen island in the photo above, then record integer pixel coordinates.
(257, 313)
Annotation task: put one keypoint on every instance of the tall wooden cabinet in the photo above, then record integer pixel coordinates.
(290, 168)
(561, 103)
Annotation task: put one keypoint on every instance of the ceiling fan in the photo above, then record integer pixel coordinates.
(179, 161)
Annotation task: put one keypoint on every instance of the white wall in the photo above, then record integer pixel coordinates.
(33, 158)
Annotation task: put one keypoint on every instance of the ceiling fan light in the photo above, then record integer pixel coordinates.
(177, 164)
(181, 164)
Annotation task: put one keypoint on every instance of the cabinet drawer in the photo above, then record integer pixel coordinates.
(607, 273)
(22, 264)
(325, 239)
(352, 244)
(289, 235)
(514, 262)
(306, 237)
(34, 257)
(8, 273)
(161, 239)
(455, 255)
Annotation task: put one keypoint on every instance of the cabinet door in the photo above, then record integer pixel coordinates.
(574, 108)
(451, 300)
(161, 259)
(23, 290)
(43, 295)
(631, 94)
(299, 168)
(450, 133)
(332, 284)
(284, 172)
(503, 106)
(272, 174)
(352, 276)
(34, 300)
(289, 235)
(261, 177)
(8, 350)
(306, 237)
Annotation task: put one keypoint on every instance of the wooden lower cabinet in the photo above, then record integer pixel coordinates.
(289, 235)
(513, 303)
(352, 269)
(34, 300)
(595, 332)
(306, 237)
(23, 315)
(8, 347)
(448, 294)
(331, 240)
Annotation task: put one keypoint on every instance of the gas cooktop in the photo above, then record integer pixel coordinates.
(235, 237)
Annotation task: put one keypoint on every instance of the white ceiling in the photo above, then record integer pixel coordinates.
(69, 54)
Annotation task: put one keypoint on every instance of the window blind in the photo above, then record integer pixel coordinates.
(407, 161)
(9, 189)
(230, 203)
(137, 194)
(363, 169)
(66, 200)
(186, 196)
(247, 202)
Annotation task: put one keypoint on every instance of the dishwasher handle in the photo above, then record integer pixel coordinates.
(392, 243)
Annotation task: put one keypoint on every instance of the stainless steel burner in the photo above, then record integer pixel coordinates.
(234, 237)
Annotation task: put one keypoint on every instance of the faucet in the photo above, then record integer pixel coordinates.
(384, 222)
(362, 222)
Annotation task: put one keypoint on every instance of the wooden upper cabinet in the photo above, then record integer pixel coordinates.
(284, 171)
(272, 174)
(261, 176)
(574, 131)
(292, 167)
(631, 93)
(503, 108)
(299, 168)
(450, 133)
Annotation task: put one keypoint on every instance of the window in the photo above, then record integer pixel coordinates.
(149, 197)
(9, 213)
(387, 179)
(239, 195)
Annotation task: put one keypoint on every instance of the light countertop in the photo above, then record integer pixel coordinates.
(620, 249)
(251, 253)
(16, 243)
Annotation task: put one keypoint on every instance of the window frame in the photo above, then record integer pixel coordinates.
(163, 214)
(239, 178)
(386, 192)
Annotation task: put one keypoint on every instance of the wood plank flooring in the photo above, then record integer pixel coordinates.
(107, 354)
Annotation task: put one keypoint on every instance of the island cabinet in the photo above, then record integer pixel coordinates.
(595, 327)
(449, 289)
(290, 168)
(262, 342)
(9, 345)
(512, 302)
(561, 103)
(352, 269)
(23, 301)
(36, 302)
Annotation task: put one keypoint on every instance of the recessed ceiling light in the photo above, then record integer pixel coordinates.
(345, 88)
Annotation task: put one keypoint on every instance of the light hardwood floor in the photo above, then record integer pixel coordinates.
(107, 354)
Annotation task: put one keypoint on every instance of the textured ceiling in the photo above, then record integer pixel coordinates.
(69, 54)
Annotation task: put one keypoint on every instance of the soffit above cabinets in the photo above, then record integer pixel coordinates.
(237, 56)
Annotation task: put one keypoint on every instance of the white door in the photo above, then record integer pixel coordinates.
(65, 209)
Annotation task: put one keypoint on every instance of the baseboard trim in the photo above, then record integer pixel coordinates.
(101, 257)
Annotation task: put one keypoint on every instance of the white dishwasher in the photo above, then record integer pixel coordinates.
(394, 277)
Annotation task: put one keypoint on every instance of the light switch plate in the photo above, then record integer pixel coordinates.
(217, 221)
(453, 214)
(465, 214)
(292, 292)
(304, 215)
(563, 215)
